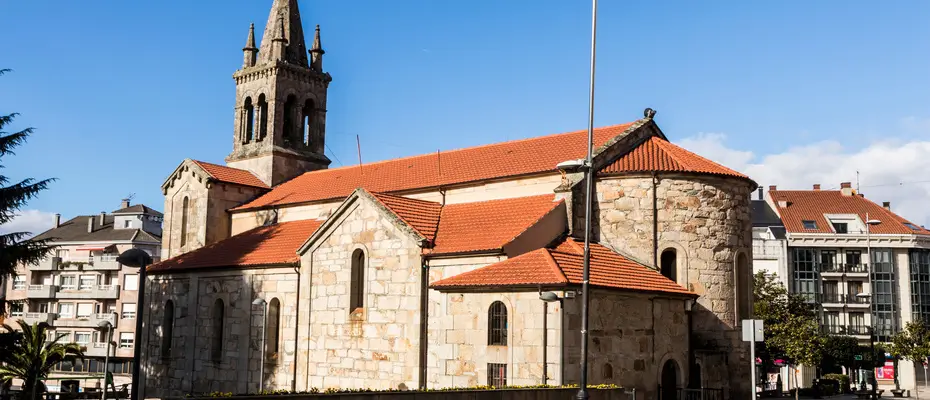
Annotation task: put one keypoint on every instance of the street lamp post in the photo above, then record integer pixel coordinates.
(107, 327)
(873, 395)
(137, 258)
(261, 350)
(547, 297)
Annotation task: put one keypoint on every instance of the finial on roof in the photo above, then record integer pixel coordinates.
(250, 51)
(316, 52)
(649, 113)
(286, 13)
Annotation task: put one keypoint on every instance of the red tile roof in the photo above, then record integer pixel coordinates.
(265, 245)
(561, 265)
(514, 158)
(811, 205)
(489, 225)
(223, 173)
(421, 215)
(657, 154)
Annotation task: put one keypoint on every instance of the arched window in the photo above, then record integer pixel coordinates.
(272, 326)
(669, 264)
(743, 288)
(248, 111)
(497, 324)
(219, 312)
(608, 372)
(167, 329)
(262, 118)
(357, 290)
(291, 134)
(307, 122)
(185, 209)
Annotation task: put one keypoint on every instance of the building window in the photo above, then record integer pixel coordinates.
(131, 282)
(809, 224)
(272, 326)
(840, 227)
(857, 323)
(84, 310)
(262, 118)
(828, 261)
(65, 310)
(16, 309)
(126, 340)
(497, 375)
(126, 223)
(306, 122)
(82, 338)
(87, 282)
(912, 226)
(167, 329)
(19, 282)
(248, 113)
(497, 324)
(129, 311)
(806, 275)
(291, 118)
(831, 323)
(357, 290)
(63, 336)
(608, 372)
(883, 294)
(920, 284)
(219, 311)
(669, 264)
(68, 282)
(185, 210)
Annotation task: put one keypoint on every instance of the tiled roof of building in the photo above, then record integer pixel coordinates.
(238, 176)
(138, 209)
(657, 154)
(266, 245)
(762, 215)
(811, 205)
(561, 264)
(507, 159)
(421, 215)
(489, 225)
(75, 230)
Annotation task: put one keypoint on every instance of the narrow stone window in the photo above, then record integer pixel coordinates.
(291, 119)
(497, 324)
(357, 290)
(167, 329)
(185, 210)
(219, 311)
(307, 122)
(743, 288)
(669, 264)
(272, 326)
(262, 118)
(248, 110)
(608, 371)
(497, 375)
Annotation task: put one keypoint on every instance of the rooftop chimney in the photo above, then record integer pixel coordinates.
(816, 186)
(57, 220)
(887, 205)
(760, 192)
(772, 188)
(124, 204)
(846, 189)
(90, 224)
(103, 215)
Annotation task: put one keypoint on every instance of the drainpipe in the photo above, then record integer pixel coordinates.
(424, 321)
(296, 327)
(545, 343)
(689, 307)
(655, 222)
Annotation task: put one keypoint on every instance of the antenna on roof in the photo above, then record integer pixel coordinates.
(131, 196)
(358, 144)
(857, 181)
(439, 162)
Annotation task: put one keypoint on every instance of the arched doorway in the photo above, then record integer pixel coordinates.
(669, 381)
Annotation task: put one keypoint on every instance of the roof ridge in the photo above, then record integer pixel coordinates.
(668, 151)
(393, 211)
(554, 264)
(556, 204)
(376, 194)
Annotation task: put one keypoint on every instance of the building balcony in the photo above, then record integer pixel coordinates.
(833, 329)
(103, 263)
(854, 301)
(41, 291)
(98, 350)
(857, 270)
(857, 330)
(831, 270)
(849, 270)
(39, 318)
(833, 300)
(47, 264)
(99, 292)
(92, 321)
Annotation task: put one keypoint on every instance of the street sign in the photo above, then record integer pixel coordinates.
(752, 330)
(857, 357)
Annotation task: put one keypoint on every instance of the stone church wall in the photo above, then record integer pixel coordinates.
(375, 346)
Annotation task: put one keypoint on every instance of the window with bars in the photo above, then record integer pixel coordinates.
(497, 375)
(497, 324)
(920, 284)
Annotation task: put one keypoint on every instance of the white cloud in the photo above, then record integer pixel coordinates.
(892, 169)
(33, 221)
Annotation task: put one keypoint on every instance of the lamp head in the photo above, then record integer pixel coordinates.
(865, 296)
(572, 165)
(873, 222)
(135, 258)
(549, 297)
(104, 324)
(258, 302)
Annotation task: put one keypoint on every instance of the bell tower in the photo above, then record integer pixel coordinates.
(280, 122)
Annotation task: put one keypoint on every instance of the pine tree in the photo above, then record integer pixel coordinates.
(14, 248)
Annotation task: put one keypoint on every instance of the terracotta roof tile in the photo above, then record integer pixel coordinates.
(561, 264)
(514, 158)
(223, 173)
(657, 154)
(488, 225)
(811, 205)
(421, 215)
(265, 245)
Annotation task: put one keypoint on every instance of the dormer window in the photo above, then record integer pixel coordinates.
(809, 224)
(912, 226)
(841, 227)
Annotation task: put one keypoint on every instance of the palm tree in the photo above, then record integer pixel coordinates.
(33, 356)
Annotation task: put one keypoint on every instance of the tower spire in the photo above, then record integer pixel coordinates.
(316, 52)
(284, 16)
(249, 51)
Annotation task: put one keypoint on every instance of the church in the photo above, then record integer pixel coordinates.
(280, 273)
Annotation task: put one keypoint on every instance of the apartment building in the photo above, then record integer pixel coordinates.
(81, 285)
(867, 268)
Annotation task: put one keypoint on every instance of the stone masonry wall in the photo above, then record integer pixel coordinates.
(635, 333)
(706, 220)
(189, 367)
(375, 346)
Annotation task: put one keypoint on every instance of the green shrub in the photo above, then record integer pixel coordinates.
(843, 381)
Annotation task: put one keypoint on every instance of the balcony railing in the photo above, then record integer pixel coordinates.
(833, 329)
(857, 268)
(858, 330)
(853, 298)
(90, 321)
(41, 291)
(106, 262)
(37, 317)
(89, 293)
(838, 268)
(834, 298)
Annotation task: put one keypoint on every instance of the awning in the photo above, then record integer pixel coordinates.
(95, 248)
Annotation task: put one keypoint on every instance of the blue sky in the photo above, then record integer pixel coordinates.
(121, 92)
